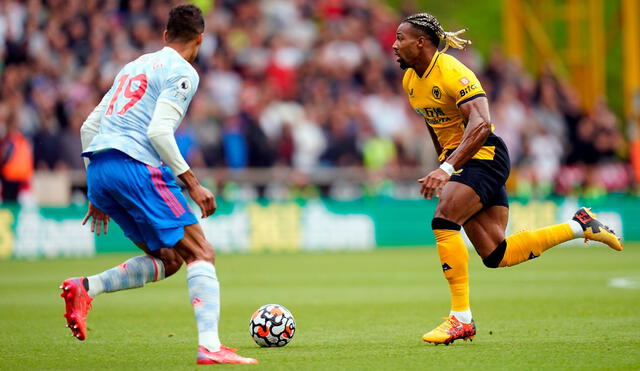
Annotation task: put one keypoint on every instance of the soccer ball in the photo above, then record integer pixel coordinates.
(272, 325)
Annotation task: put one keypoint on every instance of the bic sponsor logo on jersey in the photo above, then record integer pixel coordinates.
(468, 89)
(432, 115)
(436, 92)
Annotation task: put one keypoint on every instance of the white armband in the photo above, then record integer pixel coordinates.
(448, 168)
(161, 134)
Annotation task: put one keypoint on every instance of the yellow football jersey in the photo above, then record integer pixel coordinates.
(436, 96)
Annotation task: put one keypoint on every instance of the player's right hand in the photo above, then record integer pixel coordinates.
(204, 199)
(433, 183)
(98, 218)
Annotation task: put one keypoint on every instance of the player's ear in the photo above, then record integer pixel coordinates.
(199, 39)
(420, 41)
(165, 36)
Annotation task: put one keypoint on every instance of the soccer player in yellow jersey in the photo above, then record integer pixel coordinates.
(474, 168)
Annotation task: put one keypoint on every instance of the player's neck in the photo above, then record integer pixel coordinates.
(424, 63)
(185, 50)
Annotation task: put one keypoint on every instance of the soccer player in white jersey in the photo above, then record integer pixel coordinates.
(132, 155)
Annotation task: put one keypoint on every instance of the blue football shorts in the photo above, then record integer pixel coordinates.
(145, 201)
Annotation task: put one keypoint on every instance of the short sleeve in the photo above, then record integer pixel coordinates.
(179, 88)
(462, 84)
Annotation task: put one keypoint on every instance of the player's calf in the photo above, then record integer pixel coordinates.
(527, 245)
(495, 258)
(203, 285)
(171, 260)
(133, 273)
(194, 246)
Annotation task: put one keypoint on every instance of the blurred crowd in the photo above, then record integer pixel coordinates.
(306, 84)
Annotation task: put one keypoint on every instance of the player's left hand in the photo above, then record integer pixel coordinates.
(433, 183)
(204, 199)
(98, 218)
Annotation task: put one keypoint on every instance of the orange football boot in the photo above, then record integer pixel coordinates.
(449, 331)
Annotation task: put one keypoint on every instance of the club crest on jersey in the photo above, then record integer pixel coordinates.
(436, 92)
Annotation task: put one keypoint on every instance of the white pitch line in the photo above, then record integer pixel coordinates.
(625, 283)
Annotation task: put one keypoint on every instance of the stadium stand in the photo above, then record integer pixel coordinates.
(306, 87)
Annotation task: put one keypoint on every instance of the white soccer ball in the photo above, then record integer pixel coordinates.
(272, 325)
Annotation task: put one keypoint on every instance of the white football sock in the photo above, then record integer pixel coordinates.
(578, 232)
(133, 273)
(204, 292)
(462, 316)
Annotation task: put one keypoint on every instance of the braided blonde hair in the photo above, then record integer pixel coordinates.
(428, 24)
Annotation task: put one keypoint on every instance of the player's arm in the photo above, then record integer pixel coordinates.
(166, 117)
(476, 113)
(91, 125)
(434, 138)
(88, 131)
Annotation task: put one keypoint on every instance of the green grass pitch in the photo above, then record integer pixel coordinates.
(353, 311)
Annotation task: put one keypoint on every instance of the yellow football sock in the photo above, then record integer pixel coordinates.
(454, 258)
(526, 245)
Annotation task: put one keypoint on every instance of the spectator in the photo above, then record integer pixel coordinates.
(16, 159)
(301, 83)
(342, 149)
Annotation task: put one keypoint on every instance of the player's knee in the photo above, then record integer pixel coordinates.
(445, 212)
(171, 260)
(205, 252)
(172, 264)
(194, 247)
(494, 259)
